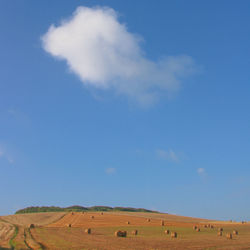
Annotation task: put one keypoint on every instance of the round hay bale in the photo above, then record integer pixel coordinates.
(229, 236)
(148, 220)
(167, 231)
(128, 222)
(173, 235)
(87, 230)
(31, 226)
(162, 222)
(235, 232)
(219, 233)
(121, 233)
(198, 229)
(194, 227)
(134, 232)
(68, 225)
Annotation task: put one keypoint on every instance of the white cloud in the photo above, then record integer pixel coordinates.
(105, 55)
(12, 111)
(110, 170)
(167, 155)
(10, 160)
(6, 156)
(201, 171)
(19, 116)
(2, 152)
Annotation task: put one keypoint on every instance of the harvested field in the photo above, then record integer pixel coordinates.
(149, 238)
(57, 235)
(35, 218)
(119, 219)
(164, 217)
(152, 234)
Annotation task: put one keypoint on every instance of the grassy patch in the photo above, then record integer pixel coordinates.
(11, 242)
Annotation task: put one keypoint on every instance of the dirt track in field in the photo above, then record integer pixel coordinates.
(6, 232)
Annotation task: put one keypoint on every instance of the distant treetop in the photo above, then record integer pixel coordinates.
(80, 209)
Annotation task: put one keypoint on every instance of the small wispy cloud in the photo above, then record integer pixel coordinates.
(10, 160)
(110, 171)
(6, 156)
(201, 171)
(105, 55)
(19, 116)
(12, 111)
(2, 152)
(169, 155)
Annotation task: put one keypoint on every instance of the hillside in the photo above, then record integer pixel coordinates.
(37, 218)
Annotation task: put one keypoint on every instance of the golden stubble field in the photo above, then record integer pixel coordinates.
(67, 231)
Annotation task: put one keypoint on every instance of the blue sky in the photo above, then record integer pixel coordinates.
(155, 116)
